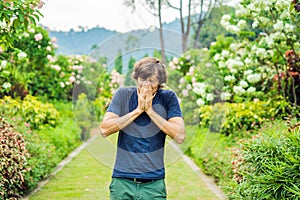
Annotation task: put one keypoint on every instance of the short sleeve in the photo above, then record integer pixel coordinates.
(173, 107)
(115, 105)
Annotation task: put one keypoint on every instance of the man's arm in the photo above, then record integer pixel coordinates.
(173, 127)
(112, 123)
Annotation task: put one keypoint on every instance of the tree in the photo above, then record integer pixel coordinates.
(155, 8)
(119, 62)
(185, 30)
(132, 42)
(203, 15)
(128, 79)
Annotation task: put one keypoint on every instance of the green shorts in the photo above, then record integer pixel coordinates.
(123, 189)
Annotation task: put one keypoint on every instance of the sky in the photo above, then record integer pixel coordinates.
(110, 14)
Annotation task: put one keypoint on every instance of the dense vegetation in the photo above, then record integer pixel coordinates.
(239, 94)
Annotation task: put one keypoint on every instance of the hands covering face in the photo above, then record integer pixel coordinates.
(145, 96)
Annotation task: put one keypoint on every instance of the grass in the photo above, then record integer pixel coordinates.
(85, 177)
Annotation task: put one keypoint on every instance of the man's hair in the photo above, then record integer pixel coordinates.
(148, 66)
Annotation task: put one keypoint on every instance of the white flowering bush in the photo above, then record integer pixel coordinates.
(200, 82)
(265, 31)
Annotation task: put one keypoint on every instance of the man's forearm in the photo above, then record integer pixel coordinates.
(172, 129)
(113, 125)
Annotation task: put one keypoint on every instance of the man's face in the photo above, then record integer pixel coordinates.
(151, 82)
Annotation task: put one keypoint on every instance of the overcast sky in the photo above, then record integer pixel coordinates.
(111, 14)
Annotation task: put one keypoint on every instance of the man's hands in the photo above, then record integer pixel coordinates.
(145, 97)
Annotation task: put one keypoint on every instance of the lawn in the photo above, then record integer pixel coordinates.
(88, 176)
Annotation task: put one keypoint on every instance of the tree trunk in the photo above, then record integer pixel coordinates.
(185, 33)
(162, 45)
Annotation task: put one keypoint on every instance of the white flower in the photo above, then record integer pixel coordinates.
(289, 28)
(189, 87)
(255, 24)
(279, 26)
(217, 57)
(72, 79)
(182, 80)
(238, 90)
(200, 102)
(6, 85)
(225, 53)
(48, 48)
(22, 55)
(221, 64)
(3, 24)
(269, 40)
(242, 24)
(213, 44)
(172, 65)
(188, 57)
(26, 34)
(247, 72)
(185, 93)
(241, 11)
(200, 91)
(231, 63)
(31, 30)
(248, 61)
(3, 64)
(210, 97)
(194, 79)
(253, 78)
(229, 78)
(56, 67)
(233, 46)
(62, 84)
(191, 70)
(261, 52)
(244, 84)
(225, 96)
(226, 18)
(251, 89)
(38, 37)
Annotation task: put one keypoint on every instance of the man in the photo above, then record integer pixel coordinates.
(143, 115)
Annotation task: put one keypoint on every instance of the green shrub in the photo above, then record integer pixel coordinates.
(84, 115)
(49, 145)
(33, 111)
(233, 117)
(13, 161)
(211, 152)
(270, 165)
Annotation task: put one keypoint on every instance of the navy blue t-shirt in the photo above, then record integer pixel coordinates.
(140, 152)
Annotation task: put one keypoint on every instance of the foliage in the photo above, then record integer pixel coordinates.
(119, 62)
(26, 66)
(212, 28)
(230, 118)
(83, 115)
(33, 111)
(278, 24)
(128, 77)
(15, 17)
(211, 152)
(13, 161)
(269, 164)
(46, 146)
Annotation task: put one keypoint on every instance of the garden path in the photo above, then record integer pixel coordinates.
(81, 176)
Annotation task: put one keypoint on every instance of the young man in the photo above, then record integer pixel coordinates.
(143, 115)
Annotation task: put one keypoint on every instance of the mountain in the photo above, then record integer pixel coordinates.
(82, 42)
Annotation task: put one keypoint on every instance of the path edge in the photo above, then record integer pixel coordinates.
(59, 167)
(208, 181)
